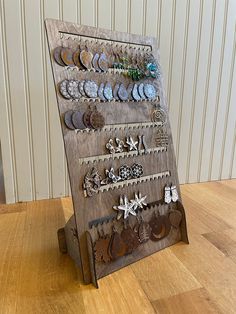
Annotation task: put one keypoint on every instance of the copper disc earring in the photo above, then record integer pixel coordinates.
(67, 56)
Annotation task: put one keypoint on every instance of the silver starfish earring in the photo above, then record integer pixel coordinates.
(126, 207)
(131, 143)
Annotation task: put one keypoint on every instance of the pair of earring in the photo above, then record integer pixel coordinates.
(171, 194)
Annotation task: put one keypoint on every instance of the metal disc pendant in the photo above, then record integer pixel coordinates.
(67, 56)
(57, 56)
(159, 115)
(108, 92)
(135, 93)
(95, 62)
(129, 91)
(68, 119)
(125, 172)
(96, 120)
(150, 91)
(115, 91)
(86, 58)
(137, 170)
(73, 89)
(100, 92)
(86, 118)
(122, 93)
(91, 89)
(81, 88)
(103, 62)
(63, 89)
(76, 59)
(77, 120)
(130, 239)
(141, 91)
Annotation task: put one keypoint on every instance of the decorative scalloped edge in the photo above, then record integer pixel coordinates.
(107, 219)
(130, 126)
(98, 100)
(98, 40)
(130, 182)
(94, 159)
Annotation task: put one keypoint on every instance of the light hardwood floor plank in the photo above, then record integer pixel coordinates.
(195, 278)
(191, 302)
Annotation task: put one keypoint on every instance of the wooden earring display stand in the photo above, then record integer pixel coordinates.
(94, 217)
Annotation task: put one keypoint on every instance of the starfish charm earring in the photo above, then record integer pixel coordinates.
(131, 143)
(126, 207)
(139, 201)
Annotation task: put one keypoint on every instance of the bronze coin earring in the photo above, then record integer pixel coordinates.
(76, 59)
(67, 56)
(86, 118)
(96, 119)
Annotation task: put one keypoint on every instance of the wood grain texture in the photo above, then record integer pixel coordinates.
(87, 144)
(195, 301)
(30, 129)
(36, 278)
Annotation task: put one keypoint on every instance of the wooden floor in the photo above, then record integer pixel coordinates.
(195, 278)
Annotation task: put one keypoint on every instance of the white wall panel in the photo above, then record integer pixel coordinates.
(185, 112)
(56, 156)
(207, 131)
(202, 72)
(197, 44)
(225, 86)
(121, 15)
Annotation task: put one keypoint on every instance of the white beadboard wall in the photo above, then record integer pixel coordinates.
(197, 42)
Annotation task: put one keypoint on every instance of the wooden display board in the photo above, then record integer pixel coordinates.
(94, 216)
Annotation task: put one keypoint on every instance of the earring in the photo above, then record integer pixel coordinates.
(174, 194)
(167, 195)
